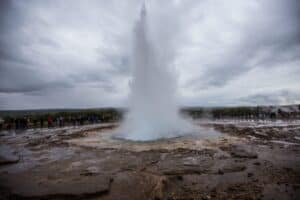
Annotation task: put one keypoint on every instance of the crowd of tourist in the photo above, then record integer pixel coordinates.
(50, 121)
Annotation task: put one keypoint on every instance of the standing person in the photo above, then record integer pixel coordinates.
(1, 123)
(50, 121)
(25, 122)
(22, 124)
(57, 121)
(79, 120)
(41, 122)
(28, 122)
(35, 123)
(74, 121)
(16, 123)
(61, 121)
(9, 124)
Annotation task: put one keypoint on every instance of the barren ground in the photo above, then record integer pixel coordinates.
(239, 160)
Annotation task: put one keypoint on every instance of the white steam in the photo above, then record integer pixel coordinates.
(153, 111)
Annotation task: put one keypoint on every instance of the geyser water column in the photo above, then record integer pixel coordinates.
(153, 110)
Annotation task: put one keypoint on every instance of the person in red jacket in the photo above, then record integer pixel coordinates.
(50, 121)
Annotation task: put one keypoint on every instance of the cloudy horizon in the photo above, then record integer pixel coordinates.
(76, 54)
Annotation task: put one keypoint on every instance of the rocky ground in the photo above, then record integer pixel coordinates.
(226, 160)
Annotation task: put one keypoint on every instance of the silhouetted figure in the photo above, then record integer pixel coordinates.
(8, 126)
(61, 121)
(1, 123)
(23, 123)
(41, 122)
(35, 123)
(73, 121)
(50, 122)
(17, 123)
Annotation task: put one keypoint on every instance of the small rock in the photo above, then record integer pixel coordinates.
(10, 159)
(296, 186)
(250, 174)
(297, 138)
(256, 163)
(261, 134)
(190, 161)
(90, 171)
(243, 154)
(8, 156)
(233, 168)
(207, 197)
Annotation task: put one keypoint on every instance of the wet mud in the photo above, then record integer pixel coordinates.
(241, 160)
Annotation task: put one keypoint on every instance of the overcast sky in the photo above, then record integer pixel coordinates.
(76, 54)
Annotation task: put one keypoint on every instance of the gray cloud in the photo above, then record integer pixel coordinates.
(18, 79)
(281, 97)
(273, 29)
(77, 54)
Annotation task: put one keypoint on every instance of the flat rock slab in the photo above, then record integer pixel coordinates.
(232, 168)
(183, 168)
(239, 153)
(7, 156)
(64, 187)
(8, 159)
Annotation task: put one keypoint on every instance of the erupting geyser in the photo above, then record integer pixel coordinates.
(153, 111)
